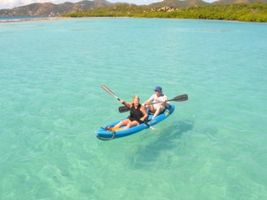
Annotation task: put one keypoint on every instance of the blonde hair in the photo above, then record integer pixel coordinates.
(134, 97)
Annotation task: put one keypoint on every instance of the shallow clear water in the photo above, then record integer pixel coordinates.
(212, 147)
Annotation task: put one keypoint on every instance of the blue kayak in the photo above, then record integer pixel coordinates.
(104, 134)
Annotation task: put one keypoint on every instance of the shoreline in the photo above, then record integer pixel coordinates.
(19, 19)
(13, 20)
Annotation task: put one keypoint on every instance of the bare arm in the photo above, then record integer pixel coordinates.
(149, 101)
(143, 110)
(129, 105)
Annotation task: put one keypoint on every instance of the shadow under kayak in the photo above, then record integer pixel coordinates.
(104, 134)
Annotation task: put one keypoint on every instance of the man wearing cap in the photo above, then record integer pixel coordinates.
(157, 102)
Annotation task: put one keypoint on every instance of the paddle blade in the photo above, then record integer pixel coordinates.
(106, 88)
(182, 97)
(123, 109)
(109, 91)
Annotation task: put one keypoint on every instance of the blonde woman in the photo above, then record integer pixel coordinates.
(137, 116)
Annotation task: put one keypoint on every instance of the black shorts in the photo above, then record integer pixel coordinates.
(138, 120)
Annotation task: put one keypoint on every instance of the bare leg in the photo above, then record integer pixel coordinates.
(158, 110)
(151, 109)
(132, 123)
(121, 123)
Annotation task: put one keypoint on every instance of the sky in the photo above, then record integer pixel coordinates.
(14, 3)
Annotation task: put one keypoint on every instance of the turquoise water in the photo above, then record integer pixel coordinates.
(212, 147)
(19, 19)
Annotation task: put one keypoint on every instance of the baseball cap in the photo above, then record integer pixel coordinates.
(158, 89)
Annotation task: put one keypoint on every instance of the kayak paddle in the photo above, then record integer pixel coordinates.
(182, 97)
(110, 92)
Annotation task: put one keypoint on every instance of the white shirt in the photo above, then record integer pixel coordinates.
(155, 99)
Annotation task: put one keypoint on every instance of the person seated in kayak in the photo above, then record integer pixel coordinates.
(157, 102)
(137, 116)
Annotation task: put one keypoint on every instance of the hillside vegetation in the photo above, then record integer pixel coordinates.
(256, 12)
